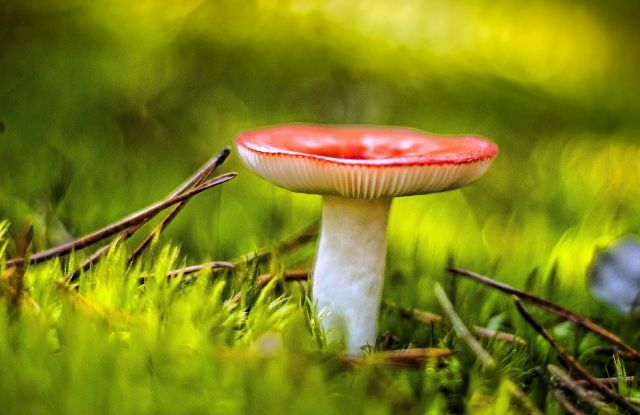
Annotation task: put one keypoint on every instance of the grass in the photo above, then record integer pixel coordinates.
(106, 109)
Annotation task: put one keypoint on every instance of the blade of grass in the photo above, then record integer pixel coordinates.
(547, 305)
(621, 373)
(141, 216)
(571, 362)
(195, 180)
(461, 330)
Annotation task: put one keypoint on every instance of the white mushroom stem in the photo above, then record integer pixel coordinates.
(349, 268)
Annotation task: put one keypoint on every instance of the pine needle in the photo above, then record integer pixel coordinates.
(139, 217)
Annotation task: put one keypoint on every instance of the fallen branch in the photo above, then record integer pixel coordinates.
(549, 306)
(195, 180)
(406, 358)
(571, 362)
(139, 217)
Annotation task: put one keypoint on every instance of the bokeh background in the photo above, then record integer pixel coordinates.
(107, 106)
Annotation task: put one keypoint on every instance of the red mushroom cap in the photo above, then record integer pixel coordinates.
(364, 162)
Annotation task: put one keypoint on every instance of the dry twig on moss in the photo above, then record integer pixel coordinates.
(139, 217)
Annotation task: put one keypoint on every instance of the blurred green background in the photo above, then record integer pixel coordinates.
(107, 106)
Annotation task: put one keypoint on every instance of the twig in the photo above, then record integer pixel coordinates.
(564, 380)
(565, 403)
(289, 275)
(479, 351)
(215, 265)
(571, 362)
(301, 237)
(420, 316)
(141, 216)
(461, 329)
(406, 358)
(195, 180)
(611, 381)
(549, 306)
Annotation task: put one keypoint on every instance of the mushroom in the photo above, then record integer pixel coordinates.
(358, 170)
